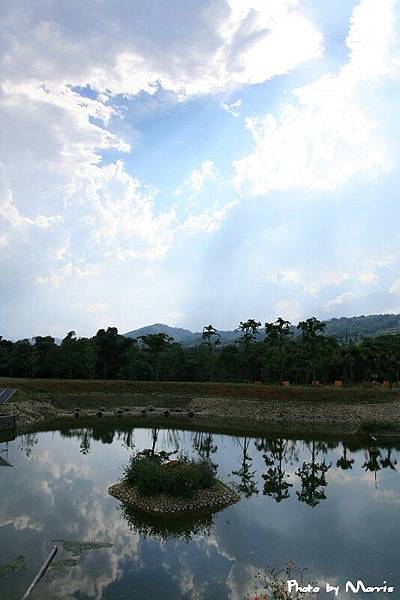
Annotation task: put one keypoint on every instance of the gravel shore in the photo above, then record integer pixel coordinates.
(214, 498)
(217, 413)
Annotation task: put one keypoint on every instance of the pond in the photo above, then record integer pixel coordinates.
(330, 507)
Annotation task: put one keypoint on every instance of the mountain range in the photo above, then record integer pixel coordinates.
(343, 328)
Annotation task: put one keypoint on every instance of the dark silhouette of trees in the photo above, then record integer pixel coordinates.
(313, 480)
(388, 462)
(276, 482)
(372, 463)
(249, 332)
(155, 345)
(210, 339)
(311, 331)
(277, 337)
(111, 346)
(247, 483)
(345, 463)
(299, 354)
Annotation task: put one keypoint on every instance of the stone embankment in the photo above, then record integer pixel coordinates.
(344, 415)
(214, 498)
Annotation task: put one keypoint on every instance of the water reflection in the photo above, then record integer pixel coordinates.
(312, 475)
(245, 474)
(276, 479)
(330, 506)
(277, 453)
(163, 527)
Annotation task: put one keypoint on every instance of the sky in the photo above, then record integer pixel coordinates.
(197, 162)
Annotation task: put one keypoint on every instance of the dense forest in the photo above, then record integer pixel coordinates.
(271, 353)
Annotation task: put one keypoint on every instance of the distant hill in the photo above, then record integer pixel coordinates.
(178, 333)
(183, 336)
(344, 329)
(363, 326)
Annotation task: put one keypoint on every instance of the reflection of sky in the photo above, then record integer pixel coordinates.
(54, 491)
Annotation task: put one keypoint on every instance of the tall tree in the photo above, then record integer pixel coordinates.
(210, 339)
(249, 332)
(277, 335)
(110, 348)
(312, 329)
(155, 344)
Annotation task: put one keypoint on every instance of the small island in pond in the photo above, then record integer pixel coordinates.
(152, 483)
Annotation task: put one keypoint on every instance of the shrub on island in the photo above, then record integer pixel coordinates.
(152, 475)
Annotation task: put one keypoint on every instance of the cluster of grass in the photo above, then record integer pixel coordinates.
(152, 475)
(15, 566)
(66, 393)
(374, 426)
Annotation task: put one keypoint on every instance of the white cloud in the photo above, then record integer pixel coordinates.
(52, 135)
(68, 271)
(367, 277)
(335, 278)
(395, 287)
(285, 276)
(198, 179)
(382, 261)
(328, 134)
(262, 38)
(233, 108)
(290, 309)
(315, 285)
(207, 221)
(344, 298)
(190, 50)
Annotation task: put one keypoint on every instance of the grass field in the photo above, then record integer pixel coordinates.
(222, 406)
(92, 393)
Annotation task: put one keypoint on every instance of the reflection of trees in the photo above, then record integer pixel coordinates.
(276, 484)
(388, 462)
(247, 483)
(102, 433)
(85, 442)
(154, 437)
(167, 526)
(291, 452)
(312, 476)
(204, 445)
(344, 462)
(128, 438)
(171, 438)
(371, 463)
(27, 443)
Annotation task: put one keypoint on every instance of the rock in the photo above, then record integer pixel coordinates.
(217, 497)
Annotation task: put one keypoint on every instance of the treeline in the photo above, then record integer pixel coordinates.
(269, 354)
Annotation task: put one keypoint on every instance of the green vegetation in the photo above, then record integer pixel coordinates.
(66, 563)
(268, 354)
(182, 527)
(153, 475)
(15, 566)
(77, 547)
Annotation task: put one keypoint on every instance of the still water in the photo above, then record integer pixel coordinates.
(330, 507)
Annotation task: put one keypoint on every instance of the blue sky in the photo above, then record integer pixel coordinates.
(197, 162)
